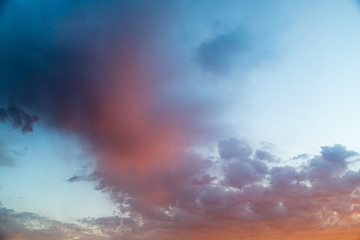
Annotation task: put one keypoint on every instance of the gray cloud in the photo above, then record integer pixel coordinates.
(218, 54)
(18, 118)
(75, 178)
(234, 149)
(265, 155)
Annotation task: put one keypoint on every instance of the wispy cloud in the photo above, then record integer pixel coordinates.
(5, 158)
(30, 226)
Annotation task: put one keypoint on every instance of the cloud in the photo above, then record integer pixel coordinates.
(265, 155)
(234, 148)
(98, 70)
(105, 71)
(218, 53)
(18, 118)
(248, 193)
(30, 226)
(5, 158)
(249, 197)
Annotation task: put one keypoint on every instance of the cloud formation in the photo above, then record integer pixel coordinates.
(248, 193)
(217, 54)
(109, 72)
(18, 118)
(30, 226)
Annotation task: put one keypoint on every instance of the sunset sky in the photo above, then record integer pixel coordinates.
(179, 120)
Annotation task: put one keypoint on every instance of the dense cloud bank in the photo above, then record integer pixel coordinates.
(239, 192)
(243, 188)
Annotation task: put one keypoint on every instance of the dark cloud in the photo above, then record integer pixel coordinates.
(98, 70)
(74, 178)
(217, 54)
(18, 118)
(58, 69)
(84, 177)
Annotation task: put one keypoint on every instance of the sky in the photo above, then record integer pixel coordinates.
(179, 120)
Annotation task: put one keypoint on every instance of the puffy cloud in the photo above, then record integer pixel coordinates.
(243, 171)
(247, 192)
(247, 198)
(264, 155)
(234, 148)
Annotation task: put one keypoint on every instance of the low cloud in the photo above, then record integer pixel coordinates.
(249, 192)
(30, 226)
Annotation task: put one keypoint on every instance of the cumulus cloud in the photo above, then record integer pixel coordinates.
(248, 193)
(234, 149)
